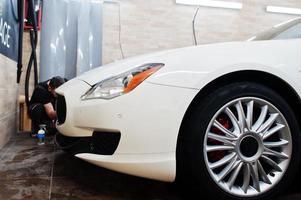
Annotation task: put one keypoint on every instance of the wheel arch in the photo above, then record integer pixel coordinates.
(260, 77)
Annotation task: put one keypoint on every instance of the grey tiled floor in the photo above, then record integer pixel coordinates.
(29, 171)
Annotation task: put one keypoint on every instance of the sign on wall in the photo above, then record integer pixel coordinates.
(9, 28)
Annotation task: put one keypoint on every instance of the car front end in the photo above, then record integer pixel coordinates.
(124, 122)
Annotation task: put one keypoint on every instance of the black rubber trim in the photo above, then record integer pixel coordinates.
(102, 143)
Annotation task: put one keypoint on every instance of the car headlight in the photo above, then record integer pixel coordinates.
(121, 84)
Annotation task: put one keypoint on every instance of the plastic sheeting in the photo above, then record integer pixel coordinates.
(71, 37)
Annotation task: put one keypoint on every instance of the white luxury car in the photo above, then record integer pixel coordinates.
(222, 117)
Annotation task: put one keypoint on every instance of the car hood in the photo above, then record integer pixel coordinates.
(120, 66)
(173, 59)
(185, 67)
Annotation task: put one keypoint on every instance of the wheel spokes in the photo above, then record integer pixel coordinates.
(233, 164)
(234, 175)
(276, 144)
(241, 116)
(273, 130)
(272, 163)
(249, 146)
(222, 161)
(277, 154)
(246, 178)
(234, 120)
(250, 107)
(219, 148)
(255, 175)
(223, 139)
(261, 118)
(223, 129)
(263, 174)
(264, 127)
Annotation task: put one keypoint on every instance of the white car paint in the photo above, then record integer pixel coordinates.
(149, 117)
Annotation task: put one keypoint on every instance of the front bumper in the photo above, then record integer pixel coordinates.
(148, 120)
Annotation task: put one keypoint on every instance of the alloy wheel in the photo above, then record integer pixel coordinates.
(247, 147)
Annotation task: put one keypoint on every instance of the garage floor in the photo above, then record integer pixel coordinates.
(29, 171)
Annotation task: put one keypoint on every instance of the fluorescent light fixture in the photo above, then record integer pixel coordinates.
(212, 3)
(283, 10)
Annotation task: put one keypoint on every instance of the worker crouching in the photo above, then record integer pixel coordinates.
(42, 105)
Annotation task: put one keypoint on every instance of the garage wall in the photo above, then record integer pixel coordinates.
(8, 96)
(153, 25)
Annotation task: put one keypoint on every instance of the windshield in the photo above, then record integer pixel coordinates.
(288, 30)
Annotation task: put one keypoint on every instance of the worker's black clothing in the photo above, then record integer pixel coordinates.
(38, 115)
(37, 112)
(42, 95)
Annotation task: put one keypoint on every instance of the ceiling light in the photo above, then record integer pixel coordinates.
(212, 3)
(283, 10)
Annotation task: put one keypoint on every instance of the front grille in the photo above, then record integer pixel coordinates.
(105, 143)
(61, 109)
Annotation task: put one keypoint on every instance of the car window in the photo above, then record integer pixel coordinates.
(287, 30)
(293, 32)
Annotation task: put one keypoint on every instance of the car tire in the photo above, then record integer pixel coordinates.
(235, 161)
